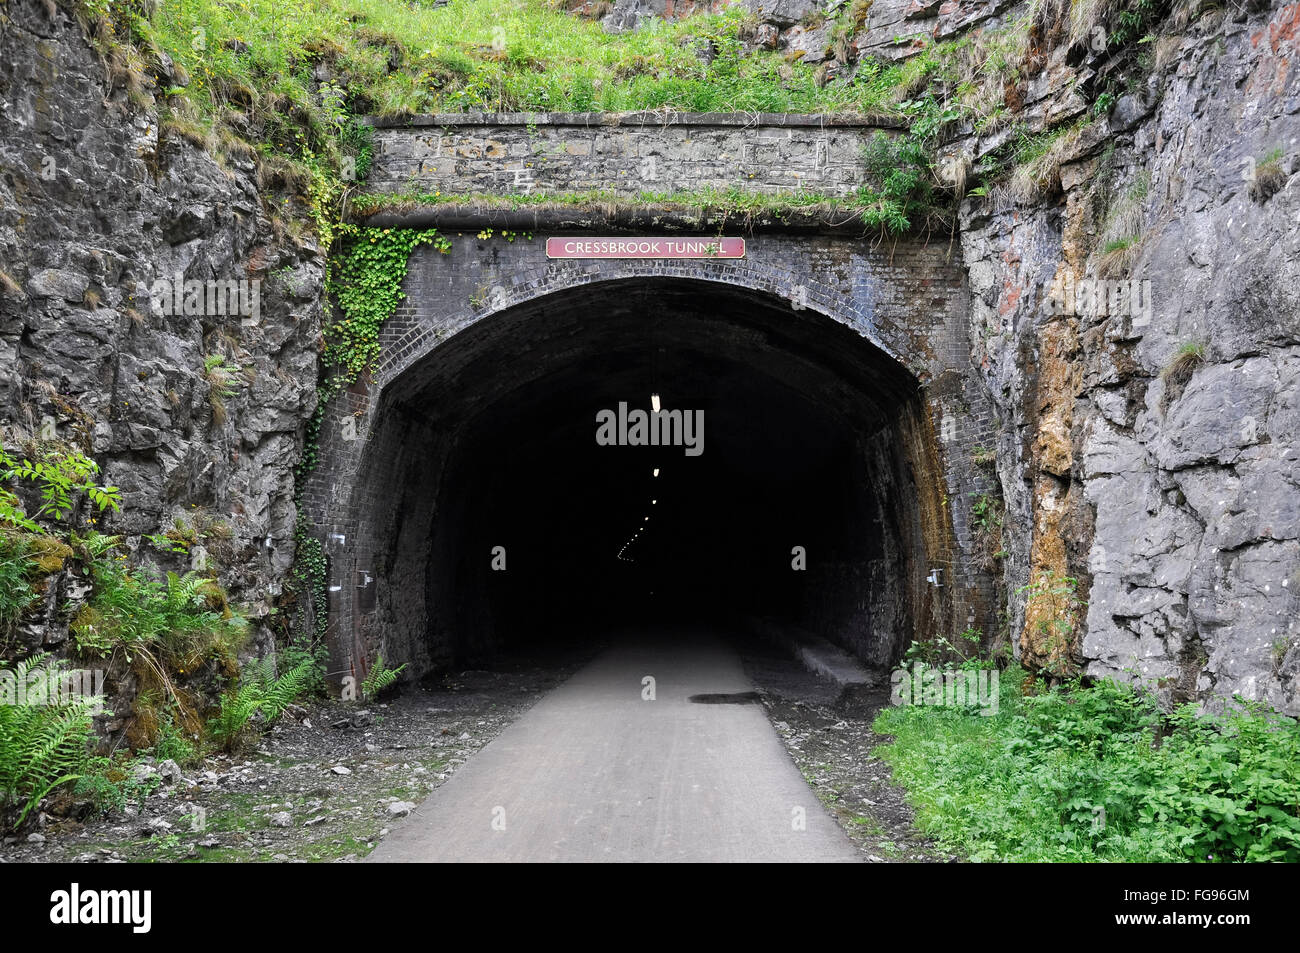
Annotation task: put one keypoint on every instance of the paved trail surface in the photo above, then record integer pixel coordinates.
(594, 772)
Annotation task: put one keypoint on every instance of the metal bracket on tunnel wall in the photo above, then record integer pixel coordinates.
(366, 590)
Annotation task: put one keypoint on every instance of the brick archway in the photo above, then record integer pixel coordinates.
(905, 308)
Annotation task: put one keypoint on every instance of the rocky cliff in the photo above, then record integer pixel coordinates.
(155, 310)
(1149, 438)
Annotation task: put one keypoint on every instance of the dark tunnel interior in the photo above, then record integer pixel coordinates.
(805, 456)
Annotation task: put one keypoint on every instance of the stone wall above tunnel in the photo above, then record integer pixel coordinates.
(905, 302)
(625, 154)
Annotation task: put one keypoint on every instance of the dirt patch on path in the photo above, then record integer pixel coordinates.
(323, 788)
(834, 749)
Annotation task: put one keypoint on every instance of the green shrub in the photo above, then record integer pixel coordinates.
(1083, 774)
(900, 193)
(62, 475)
(179, 622)
(164, 629)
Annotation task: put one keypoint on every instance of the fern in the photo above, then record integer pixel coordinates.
(379, 679)
(44, 743)
(16, 570)
(260, 691)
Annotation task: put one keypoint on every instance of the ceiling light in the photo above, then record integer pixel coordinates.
(654, 403)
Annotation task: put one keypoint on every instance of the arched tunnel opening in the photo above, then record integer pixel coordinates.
(507, 499)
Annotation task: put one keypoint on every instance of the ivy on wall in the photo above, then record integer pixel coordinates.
(365, 280)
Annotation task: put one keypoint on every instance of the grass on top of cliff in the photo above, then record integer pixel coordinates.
(392, 58)
(287, 74)
(280, 81)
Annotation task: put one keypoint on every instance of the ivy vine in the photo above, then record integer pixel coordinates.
(310, 577)
(365, 280)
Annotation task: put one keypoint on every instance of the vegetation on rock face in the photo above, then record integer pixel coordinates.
(61, 472)
(1054, 615)
(44, 736)
(166, 634)
(30, 547)
(1177, 374)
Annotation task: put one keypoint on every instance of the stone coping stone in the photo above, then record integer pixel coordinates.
(642, 118)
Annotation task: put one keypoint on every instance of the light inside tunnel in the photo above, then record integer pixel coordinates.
(810, 444)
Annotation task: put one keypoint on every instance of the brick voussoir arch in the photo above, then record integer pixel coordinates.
(405, 345)
(414, 344)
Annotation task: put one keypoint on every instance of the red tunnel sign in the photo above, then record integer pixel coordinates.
(645, 248)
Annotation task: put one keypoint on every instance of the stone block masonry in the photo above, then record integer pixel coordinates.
(626, 154)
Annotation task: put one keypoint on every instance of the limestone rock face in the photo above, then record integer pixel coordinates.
(99, 209)
(1168, 486)
(627, 15)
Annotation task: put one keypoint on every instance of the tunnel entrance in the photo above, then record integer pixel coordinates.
(490, 516)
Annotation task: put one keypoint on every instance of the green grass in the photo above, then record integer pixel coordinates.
(1038, 160)
(1186, 358)
(247, 81)
(1120, 244)
(395, 58)
(908, 205)
(369, 203)
(1100, 774)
